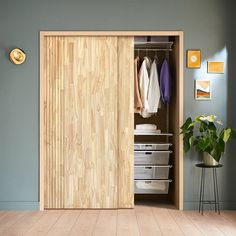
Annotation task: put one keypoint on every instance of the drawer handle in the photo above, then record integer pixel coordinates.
(148, 182)
(148, 145)
(148, 167)
(148, 153)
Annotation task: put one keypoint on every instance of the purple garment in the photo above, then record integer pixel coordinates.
(165, 82)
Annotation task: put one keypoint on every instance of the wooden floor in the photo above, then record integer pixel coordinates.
(143, 220)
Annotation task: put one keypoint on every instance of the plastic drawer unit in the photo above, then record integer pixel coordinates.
(151, 157)
(151, 172)
(151, 186)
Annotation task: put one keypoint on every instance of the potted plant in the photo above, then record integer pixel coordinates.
(205, 135)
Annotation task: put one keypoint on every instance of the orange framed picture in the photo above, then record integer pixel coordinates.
(202, 89)
(216, 67)
(193, 59)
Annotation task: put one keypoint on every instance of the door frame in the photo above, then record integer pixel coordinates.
(180, 34)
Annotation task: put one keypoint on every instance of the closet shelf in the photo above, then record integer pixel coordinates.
(137, 132)
(153, 45)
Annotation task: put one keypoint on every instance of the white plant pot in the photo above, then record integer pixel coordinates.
(209, 160)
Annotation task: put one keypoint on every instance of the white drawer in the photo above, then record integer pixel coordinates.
(151, 157)
(151, 186)
(151, 172)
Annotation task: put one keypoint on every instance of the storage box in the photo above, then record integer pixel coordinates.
(151, 186)
(151, 157)
(152, 146)
(151, 172)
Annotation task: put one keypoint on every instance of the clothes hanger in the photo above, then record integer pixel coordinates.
(147, 57)
(166, 56)
(156, 58)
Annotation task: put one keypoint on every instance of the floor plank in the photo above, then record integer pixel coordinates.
(229, 215)
(204, 224)
(127, 223)
(146, 221)
(85, 223)
(9, 219)
(225, 226)
(24, 223)
(44, 224)
(106, 223)
(166, 223)
(64, 224)
(185, 224)
(2, 214)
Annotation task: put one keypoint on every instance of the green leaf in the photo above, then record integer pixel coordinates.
(211, 126)
(221, 145)
(227, 134)
(187, 141)
(191, 140)
(197, 118)
(186, 144)
(186, 124)
(203, 126)
(202, 144)
(216, 154)
(218, 149)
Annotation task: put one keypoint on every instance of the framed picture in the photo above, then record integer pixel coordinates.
(216, 67)
(202, 89)
(193, 58)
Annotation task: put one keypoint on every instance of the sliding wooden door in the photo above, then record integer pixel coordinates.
(88, 122)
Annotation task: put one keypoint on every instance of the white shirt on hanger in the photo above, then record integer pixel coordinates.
(149, 88)
(154, 94)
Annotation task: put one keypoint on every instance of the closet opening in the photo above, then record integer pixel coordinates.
(156, 120)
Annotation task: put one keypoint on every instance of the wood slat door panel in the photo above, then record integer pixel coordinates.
(82, 127)
(126, 122)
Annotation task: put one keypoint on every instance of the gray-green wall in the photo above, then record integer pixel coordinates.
(207, 26)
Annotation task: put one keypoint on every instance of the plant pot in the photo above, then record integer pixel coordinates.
(209, 160)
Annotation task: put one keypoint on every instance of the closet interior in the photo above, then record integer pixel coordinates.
(156, 136)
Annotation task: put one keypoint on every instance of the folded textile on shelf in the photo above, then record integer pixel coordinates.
(146, 127)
